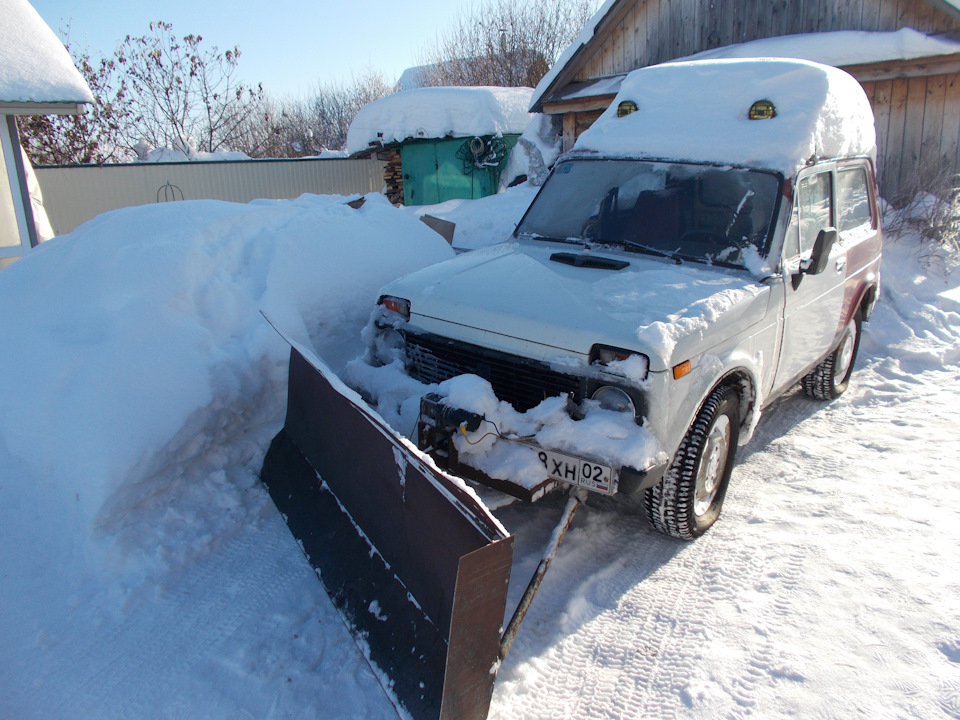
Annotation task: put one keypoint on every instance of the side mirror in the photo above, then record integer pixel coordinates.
(821, 252)
(817, 262)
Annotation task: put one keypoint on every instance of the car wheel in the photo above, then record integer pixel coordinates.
(830, 378)
(688, 499)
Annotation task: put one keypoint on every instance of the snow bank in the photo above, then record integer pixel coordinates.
(34, 64)
(439, 112)
(698, 111)
(140, 334)
(839, 48)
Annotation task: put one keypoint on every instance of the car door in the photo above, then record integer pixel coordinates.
(812, 303)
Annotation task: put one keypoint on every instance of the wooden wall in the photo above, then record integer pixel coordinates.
(918, 131)
(647, 32)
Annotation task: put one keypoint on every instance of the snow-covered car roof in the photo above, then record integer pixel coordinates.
(699, 111)
(35, 67)
(440, 112)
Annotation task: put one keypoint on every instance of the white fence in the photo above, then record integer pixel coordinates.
(74, 194)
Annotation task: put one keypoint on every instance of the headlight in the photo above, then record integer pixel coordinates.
(613, 398)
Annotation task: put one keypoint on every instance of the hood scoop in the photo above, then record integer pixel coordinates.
(589, 261)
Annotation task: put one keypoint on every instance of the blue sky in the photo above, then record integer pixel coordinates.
(288, 45)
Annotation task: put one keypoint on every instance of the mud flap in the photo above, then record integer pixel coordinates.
(414, 563)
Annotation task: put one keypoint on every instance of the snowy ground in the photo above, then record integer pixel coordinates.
(144, 573)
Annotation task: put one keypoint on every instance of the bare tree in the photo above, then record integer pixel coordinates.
(94, 135)
(180, 91)
(510, 43)
(320, 122)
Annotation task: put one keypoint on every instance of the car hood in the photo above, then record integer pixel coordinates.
(514, 298)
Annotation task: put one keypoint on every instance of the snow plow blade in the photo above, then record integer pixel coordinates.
(414, 563)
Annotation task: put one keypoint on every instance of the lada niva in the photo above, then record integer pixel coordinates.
(709, 243)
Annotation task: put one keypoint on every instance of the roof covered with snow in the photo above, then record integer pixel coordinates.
(567, 56)
(439, 112)
(35, 67)
(840, 48)
(698, 110)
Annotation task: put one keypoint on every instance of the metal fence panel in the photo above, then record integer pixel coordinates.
(74, 194)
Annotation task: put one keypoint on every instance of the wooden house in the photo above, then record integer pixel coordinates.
(915, 95)
(37, 77)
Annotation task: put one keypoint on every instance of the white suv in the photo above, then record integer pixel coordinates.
(709, 243)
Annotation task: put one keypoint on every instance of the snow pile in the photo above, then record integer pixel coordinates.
(137, 340)
(439, 112)
(185, 152)
(34, 64)
(698, 111)
(537, 150)
(485, 221)
(839, 48)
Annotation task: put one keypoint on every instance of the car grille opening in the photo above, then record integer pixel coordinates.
(519, 381)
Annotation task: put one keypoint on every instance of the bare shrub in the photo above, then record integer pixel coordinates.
(928, 204)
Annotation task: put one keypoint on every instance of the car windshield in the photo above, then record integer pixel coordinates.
(683, 211)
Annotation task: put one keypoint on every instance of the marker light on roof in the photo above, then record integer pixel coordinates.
(626, 107)
(762, 110)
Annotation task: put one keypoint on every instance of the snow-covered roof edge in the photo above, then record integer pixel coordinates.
(439, 112)
(839, 48)
(567, 56)
(35, 67)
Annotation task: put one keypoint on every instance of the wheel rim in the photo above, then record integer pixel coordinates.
(712, 465)
(845, 353)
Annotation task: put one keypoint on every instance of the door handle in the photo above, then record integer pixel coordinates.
(841, 264)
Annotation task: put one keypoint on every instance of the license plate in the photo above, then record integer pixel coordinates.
(577, 471)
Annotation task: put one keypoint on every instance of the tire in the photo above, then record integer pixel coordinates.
(830, 378)
(688, 500)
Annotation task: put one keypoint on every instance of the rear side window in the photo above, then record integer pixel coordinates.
(853, 199)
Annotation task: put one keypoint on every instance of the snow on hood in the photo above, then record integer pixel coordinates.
(839, 48)
(439, 112)
(654, 307)
(34, 65)
(698, 111)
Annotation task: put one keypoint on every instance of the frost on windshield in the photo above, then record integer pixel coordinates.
(707, 214)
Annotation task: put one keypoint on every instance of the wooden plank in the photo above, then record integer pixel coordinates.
(887, 15)
(711, 16)
(894, 156)
(870, 15)
(653, 36)
(806, 19)
(930, 159)
(950, 143)
(910, 168)
(881, 115)
(640, 33)
(923, 67)
(675, 28)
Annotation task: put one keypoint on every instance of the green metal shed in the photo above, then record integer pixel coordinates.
(436, 170)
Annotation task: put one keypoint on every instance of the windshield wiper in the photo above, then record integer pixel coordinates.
(652, 250)
(545, 238)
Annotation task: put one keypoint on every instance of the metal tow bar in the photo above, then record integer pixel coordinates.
(577, 497)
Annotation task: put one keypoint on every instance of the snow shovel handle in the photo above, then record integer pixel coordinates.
(577, 496)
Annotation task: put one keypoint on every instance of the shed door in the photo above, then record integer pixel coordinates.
(419, 164)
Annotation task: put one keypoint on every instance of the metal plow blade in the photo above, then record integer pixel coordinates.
(416, 566)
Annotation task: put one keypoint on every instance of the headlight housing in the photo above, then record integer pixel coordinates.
(614, 398)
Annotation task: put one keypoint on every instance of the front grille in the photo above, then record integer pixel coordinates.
(519, 381)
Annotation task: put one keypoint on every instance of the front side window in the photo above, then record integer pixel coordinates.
(816, 208)
(687, 212)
